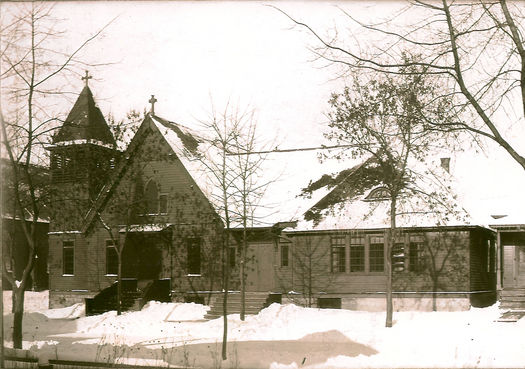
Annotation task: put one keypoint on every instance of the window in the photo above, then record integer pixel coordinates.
(329, 303)
(231, 257)
(68, 257)
(163, 203)
(416, 261)
(285, 249)
(492, 257)
(378, 194)
(357, 254)
(111, 258)
(376, 255)
(194, 255)
(155, 203)
(151, 196)
(338, 254)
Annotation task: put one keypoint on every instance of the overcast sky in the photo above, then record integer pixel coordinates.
(188, 53)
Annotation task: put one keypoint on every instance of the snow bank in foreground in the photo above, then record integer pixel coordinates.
(281, 336)
(71, 312)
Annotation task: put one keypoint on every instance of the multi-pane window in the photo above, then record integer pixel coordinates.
(285, 250)
(194, 255)
(338, 246)
(416, 261)
(357, 254)
(68, 257)
(376, 254)
(111, 257)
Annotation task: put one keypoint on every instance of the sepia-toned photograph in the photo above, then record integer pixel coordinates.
(262, 184)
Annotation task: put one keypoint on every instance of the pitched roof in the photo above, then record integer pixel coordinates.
(85, 123)
(414, 208)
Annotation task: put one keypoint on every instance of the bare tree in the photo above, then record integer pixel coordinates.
(436, 262)
(223, 128)
(307, 276)
(249, 186)
(30, 67)
(388, 123)
(476, 48)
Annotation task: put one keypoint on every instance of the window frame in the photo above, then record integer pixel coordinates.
(111, 244)
(377, 194)
(161, 199)
(372, 258)
(68, 248)
(416, 260)
(338, 252)
(285, 254)
(192, 242)
(354, 245)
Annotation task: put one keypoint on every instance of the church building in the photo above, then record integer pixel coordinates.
(151, 208)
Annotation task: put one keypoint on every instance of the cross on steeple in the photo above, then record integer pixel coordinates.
(86, 78)
(152, 101)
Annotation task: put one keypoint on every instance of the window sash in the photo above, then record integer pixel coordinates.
(111, 258)
(376, 257)
(163, 203)
(68, 257)
(285, 249)
(338, 258)
(194, 256)
(232, 256)
(357, 258)
(416, 257)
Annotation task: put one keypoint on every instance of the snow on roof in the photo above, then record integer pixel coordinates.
(191, 149)
(287, 173)
(146, 227)
(414, 209)
(80, 142)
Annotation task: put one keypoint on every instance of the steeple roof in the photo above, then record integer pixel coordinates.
(85, 122)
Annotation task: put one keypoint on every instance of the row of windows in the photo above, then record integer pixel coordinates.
(358, 249)
(193, 247)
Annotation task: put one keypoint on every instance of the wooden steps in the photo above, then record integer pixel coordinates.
(254, 303)
(513, 299)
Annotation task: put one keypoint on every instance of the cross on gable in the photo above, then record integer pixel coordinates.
(152, 101)
(86, 78)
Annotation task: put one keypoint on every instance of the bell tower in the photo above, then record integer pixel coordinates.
(82, 154)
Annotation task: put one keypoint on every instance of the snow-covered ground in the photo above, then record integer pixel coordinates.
(281, 336)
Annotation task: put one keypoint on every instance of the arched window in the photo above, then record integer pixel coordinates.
(378, 194)
(151, 197)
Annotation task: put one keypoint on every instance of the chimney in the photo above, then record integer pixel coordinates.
(445, 164)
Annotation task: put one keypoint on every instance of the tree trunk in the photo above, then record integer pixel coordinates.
(388, 264)
(309, 279)
(434, 295)
(226, 268)
(119, 283)
(243, 286)
(243, 276)
(18, 310)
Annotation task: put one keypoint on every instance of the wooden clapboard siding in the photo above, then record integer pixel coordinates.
(466, 270)
(58, 281)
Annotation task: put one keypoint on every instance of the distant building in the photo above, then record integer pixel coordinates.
(15, 245)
